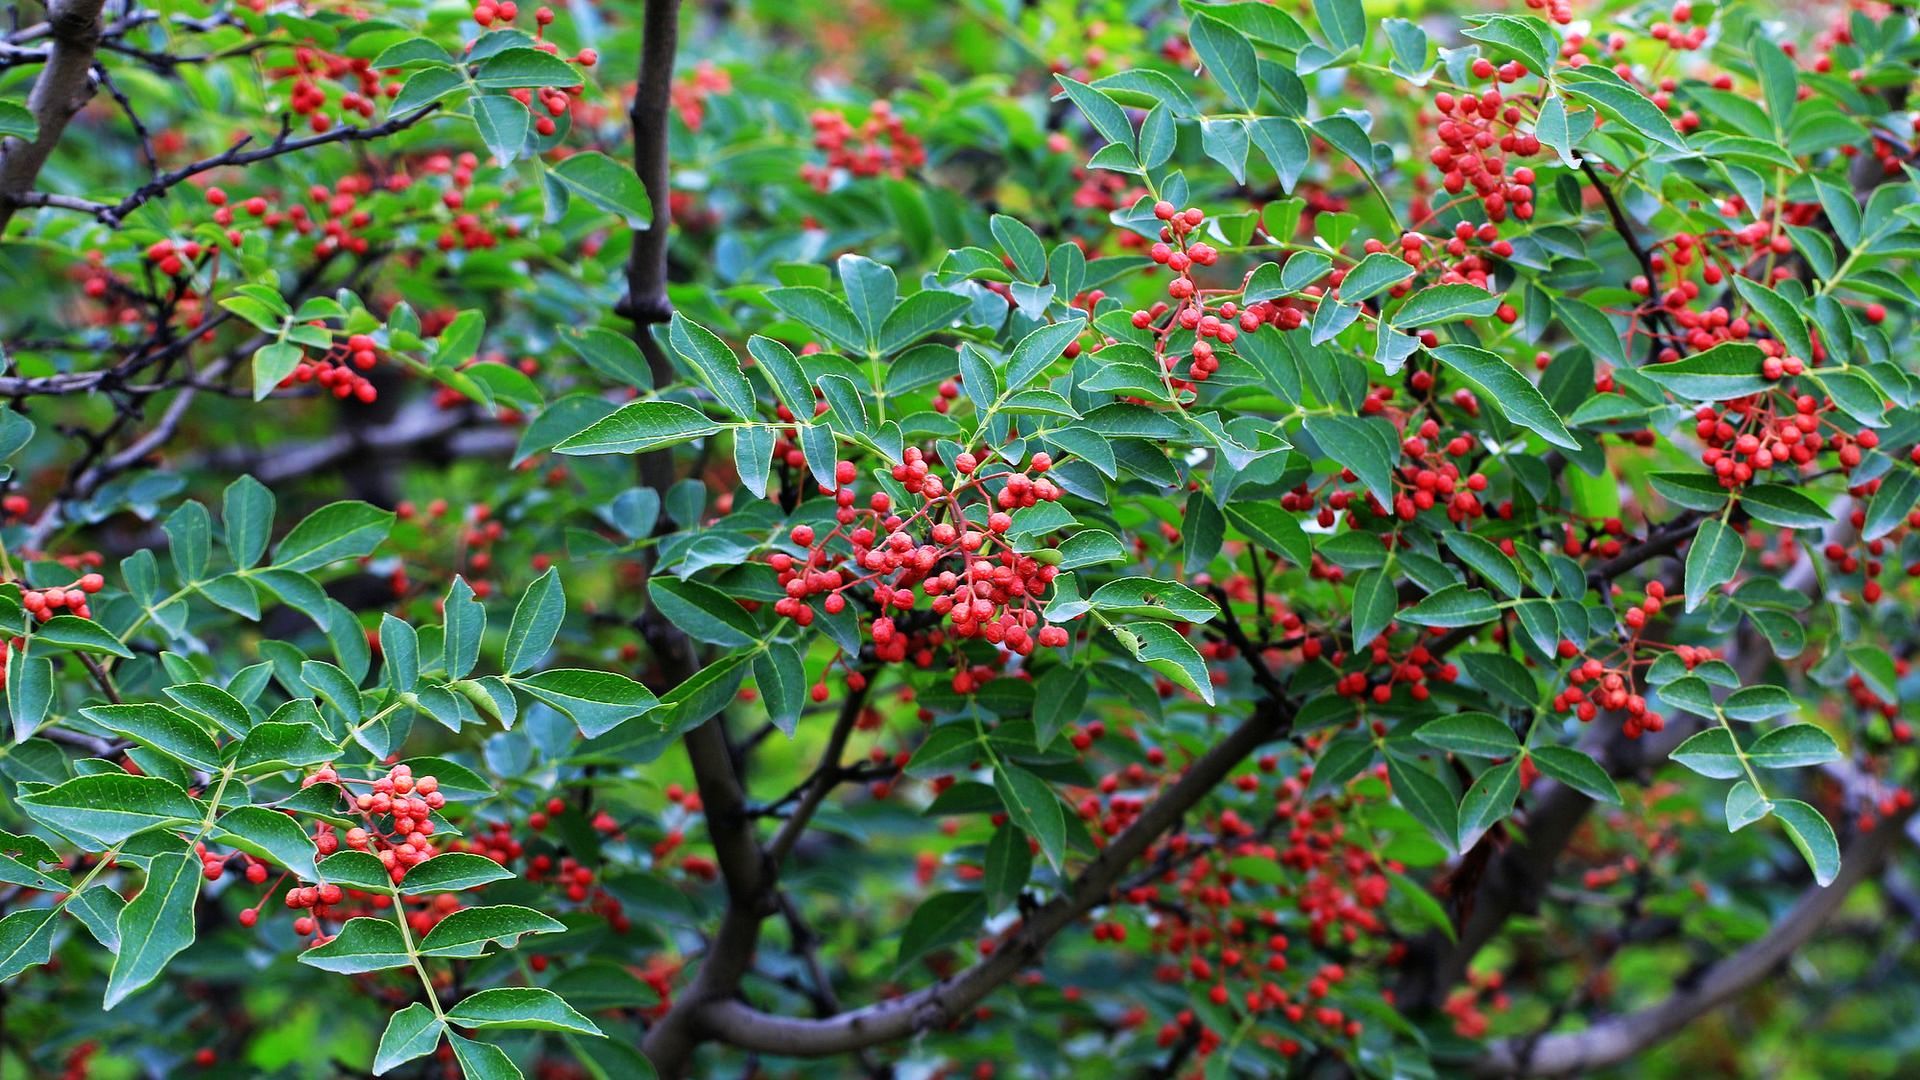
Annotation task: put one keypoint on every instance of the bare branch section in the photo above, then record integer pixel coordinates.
(239, 154)
(63, 89)
(646, 301)
(1613, 1041)
(940, 1004)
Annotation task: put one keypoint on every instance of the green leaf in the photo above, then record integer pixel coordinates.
(423, 87)
(824, 312)
(1777, 504)
(597, 701)
(277, 745)
(1792, 747)
(1033, 807)
(1438, 304)
(1021, 245)
(781, 677)
(1888, 509)
(342, 530)
(189, 532)
(536, 620)
(17, 122)
(1009, 863)
(1375, 600)
(1427, 799)
(412, 1032)
(1472, 733)
(361, 945)
(466, 932)
(1712, 559)
(269, 834)
(1229, 58)
(247, 513)
(1711, 753)
(156, 925)
(638, 427)
(1488, 801)
(520, 1007)
(605, 183)
(81, 635)
(1779, 315)
(110, 807)
(527, 68)
(1754, 703)
(1272, 528)
(1453, 606)
(1745, 805)
(1876, 669)
(1576, 770)
(714, 364)
(1730, 369)
(466, 623)
(1153, 599)
(1373, 275)
(1344, 22)
(941, 920)
(1562, 130)
(703, 612)
(503, 124)
(452, 872)
(1039, 349)
(612, 354)
(272, 363)
(481, 1061)
(1347, 441)
(1167, 651)
(162, 729)
(1614, 97)
(1106, 116)
(1504, 388)
(359, 869)
(26, 940)
(29, 692)
(1809, 831)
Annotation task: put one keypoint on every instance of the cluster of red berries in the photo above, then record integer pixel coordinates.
(990, 596)
(362, 86)
(1746, 437)
(1479, 134)
(1428, 476)
(403, 839)
(472, 535)
(1677, 34)
(1611, 682)
(1466, 1004)
(881, 146)
(44, 604)
(690, 93)
(1560, 11)
(334, 371)
(1180, 250)
(1203, 938)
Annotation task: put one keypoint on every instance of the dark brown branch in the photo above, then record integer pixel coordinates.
(63, 88)
(742, 1026)
(646, 301)
(1615, 1040)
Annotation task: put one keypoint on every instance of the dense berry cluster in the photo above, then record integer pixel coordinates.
(880, 146)
(951, 551)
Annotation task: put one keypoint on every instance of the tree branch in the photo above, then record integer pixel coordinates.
(646, 301)
(63, 88)
(743, 1026)
(1613, 1041)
